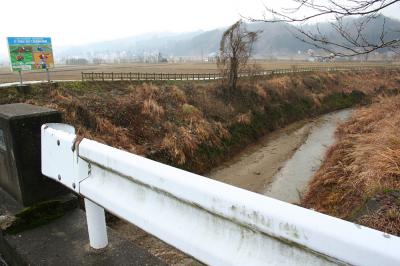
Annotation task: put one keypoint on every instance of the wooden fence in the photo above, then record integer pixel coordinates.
(132, 76)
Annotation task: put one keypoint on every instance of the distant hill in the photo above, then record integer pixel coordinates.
(276, 39)
(371, 32)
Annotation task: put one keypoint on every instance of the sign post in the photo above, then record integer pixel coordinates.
(30, 54)
(48, 75)
(20, 78)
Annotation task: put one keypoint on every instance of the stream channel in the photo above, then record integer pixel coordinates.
(281, 164)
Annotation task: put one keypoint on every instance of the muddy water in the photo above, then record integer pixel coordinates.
(281, 164)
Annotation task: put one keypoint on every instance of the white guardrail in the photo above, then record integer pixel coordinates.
(216, 223)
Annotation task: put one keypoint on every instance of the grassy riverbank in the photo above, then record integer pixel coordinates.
(360, 178)
(193, 125)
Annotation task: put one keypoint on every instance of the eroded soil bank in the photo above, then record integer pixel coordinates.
(281, 164)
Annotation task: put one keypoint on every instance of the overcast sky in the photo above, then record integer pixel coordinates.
(73, 22)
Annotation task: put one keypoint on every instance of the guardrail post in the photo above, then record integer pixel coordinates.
(96, 222)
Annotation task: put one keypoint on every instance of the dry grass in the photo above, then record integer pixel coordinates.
(152, 108)
(192, 125)
(244, 119)
(363, 167)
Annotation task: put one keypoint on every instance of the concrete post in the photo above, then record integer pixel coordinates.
(20, 153)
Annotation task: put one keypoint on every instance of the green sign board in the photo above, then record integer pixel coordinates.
(30, 53)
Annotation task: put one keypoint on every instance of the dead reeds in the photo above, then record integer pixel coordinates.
(364, 164)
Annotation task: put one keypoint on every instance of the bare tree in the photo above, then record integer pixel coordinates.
(351, 38)
(235, 50)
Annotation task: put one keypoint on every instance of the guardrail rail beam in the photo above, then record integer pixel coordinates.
(214, 222)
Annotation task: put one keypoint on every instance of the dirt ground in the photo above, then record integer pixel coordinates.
(64, 72)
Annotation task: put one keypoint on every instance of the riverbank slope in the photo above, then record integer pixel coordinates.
(194, 125)
(360, 177)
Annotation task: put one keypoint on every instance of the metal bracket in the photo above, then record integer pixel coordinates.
(60, 159)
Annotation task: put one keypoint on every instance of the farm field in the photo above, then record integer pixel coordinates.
(64, 72)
